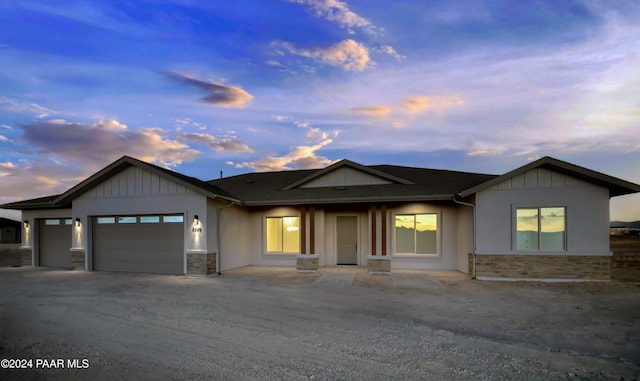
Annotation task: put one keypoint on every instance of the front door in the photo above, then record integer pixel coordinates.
(347, 240)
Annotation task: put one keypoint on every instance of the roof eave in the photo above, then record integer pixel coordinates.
(347, 163)
(123, 163)
(346, 200)
(616, 186)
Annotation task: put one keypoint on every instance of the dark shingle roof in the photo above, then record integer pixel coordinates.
(35, 203)
(271, 188)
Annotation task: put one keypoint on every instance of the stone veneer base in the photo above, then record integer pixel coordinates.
(78, 259)
(556, 267)
(378, 264)
(201, 264)
(307, 263)
(26, 256)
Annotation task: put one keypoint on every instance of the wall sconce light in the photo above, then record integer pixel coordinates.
(26, 224)
(196, 220)
(77, 222)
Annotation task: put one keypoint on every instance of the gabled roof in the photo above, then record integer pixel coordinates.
(616, 186)
(344, 163)
(410, 184)
(65, 199)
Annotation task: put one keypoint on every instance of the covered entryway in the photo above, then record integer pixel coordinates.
(347, 240)
(54, 242)
(149, 244)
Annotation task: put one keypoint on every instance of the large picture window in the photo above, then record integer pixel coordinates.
(283, 235)
(541, 229)
(416, 234)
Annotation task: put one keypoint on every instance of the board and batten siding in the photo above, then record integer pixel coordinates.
(135, 181)
(135, 191)
(587, 211)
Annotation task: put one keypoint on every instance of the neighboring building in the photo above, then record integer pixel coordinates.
(9, 231)
(546, 220)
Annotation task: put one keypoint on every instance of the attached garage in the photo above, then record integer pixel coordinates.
(147, 244)
(54, 242)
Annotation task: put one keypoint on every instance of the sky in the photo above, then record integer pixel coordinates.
(202, 87)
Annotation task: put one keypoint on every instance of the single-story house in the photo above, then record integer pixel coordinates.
(548, 219)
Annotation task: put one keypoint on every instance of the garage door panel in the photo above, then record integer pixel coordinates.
(54, 242)
(139, 247)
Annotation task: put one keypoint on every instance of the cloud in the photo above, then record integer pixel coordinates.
(339, 12)
(388, 49)
(17, 106)
(485, 152)
(348, 54)
(3, 138)
(273, 63)
(374, 112)
(219, 144)
(280, 118)
(419, 104)
(92, 146)
(301, 157)
(217, 94)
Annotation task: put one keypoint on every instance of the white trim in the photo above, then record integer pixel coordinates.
(383, 257)
(77, 249)
(308, 256)
(198, 252)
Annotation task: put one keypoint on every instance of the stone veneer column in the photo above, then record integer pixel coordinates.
(201, 264)
(26, 256)
(78, 259)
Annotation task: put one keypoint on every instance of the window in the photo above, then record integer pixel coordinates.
(283, 234)
(170, 219)
(416, 234)
(149, 219)
(541, 229)
(52, 222)
(68, 221)
(106, 220)
(127, 220)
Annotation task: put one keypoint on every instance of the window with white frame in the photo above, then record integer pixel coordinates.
(541, 229)
(282, 235)
(416, 234)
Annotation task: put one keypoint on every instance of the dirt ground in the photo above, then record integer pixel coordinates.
(259, 323)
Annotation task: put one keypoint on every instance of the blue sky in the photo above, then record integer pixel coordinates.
(206, 86)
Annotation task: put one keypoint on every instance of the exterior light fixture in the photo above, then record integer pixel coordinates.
(196, 219)
(26, 223)
(78, 222)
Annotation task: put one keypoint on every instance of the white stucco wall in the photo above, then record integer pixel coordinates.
(587, 212)
(256, 237)
(30, 233)
(464, 233)
(236, 238)
(447, 258)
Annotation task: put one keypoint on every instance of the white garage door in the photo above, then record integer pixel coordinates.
(149, 244)
(54, 242)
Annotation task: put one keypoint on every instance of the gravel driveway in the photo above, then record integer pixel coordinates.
(259, 323)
